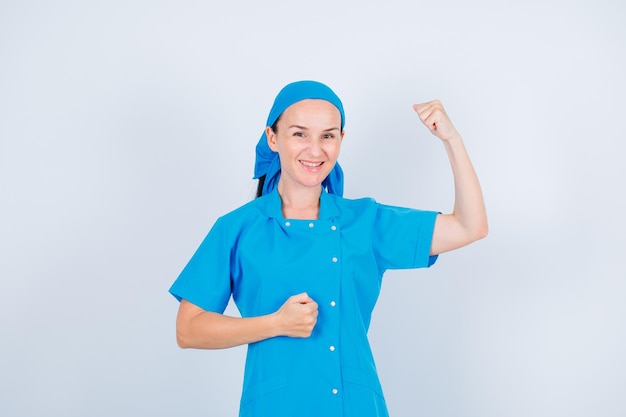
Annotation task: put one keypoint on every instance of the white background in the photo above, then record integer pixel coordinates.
(128, 127)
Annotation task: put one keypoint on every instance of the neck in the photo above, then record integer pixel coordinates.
(300, 203)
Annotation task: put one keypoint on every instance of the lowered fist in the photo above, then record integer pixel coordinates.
(297, 316)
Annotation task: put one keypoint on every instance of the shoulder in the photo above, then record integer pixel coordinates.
(242, 216)
(355, 210)
(368, 207)
(363, 203)
(251, 208)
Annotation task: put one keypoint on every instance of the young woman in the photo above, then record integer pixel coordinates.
(304, 265)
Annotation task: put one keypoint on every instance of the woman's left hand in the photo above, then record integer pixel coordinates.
(468, 220)
(433, 115)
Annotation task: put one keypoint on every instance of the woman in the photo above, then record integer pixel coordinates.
(304, 265)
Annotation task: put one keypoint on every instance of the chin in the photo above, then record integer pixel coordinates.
(311, 184)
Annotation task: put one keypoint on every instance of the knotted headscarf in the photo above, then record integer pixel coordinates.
(267, 161)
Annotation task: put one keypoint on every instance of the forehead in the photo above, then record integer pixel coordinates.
(312, 111)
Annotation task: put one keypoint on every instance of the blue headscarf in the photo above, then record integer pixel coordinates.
(267, 161)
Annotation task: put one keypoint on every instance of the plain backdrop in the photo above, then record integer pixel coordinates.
(128, 127)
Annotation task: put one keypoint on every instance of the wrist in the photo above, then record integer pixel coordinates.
(453, 137)
(274, 325)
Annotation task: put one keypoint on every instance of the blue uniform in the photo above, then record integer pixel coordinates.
(262, 259)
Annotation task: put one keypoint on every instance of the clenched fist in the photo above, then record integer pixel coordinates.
(297, 316)
(433, 115)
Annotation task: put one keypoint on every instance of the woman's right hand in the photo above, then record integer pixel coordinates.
(297, 316)
(201, 329)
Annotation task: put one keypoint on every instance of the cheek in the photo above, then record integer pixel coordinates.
(333, 149)
(290, 149)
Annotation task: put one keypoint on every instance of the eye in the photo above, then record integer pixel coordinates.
(328, 136)
(299, 134)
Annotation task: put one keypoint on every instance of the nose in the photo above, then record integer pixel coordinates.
(315, 147)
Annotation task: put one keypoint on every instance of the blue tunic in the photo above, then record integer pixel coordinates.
(262, 259)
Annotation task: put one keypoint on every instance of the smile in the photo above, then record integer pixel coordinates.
(311, 164)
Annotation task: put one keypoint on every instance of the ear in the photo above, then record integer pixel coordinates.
(343, 132)
(271, 139)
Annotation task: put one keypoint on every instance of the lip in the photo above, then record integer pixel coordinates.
(311, 166)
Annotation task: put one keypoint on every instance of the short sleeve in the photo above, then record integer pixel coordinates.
(402, 237)
(205, 280)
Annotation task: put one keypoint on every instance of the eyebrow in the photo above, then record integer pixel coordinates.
(305, 128)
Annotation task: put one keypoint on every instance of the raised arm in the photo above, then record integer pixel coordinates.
(200, 329)
(468, 220)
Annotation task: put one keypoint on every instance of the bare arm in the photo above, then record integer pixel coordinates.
(200, 329)
(468, 220)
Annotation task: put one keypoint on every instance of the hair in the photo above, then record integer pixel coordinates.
(274, 127)
(259, 188)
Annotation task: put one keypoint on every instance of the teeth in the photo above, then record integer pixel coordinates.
(311, 164)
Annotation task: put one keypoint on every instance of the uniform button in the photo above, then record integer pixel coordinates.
(332, 348)
(311, 225)
(332, 303)
(333, 227)
(335, 259)
(287, 224)
(335, 391)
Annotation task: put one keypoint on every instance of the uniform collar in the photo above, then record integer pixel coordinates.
(274, 209)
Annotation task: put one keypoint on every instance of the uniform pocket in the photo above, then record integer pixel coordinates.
(265, 399)
(363, 394)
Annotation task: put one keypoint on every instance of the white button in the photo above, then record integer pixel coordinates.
(333, 227)
(335, 259)
(335, 391)
(332, 348)
(311, 225)
(287, 224)
(332, 304)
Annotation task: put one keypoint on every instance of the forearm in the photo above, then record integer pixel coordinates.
(208, 330)
(200, 329)
(469, 206)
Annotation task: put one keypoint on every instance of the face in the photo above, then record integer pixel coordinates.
(307, 140)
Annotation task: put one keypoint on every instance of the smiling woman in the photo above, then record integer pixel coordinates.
(304, 265)
(307, 139)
